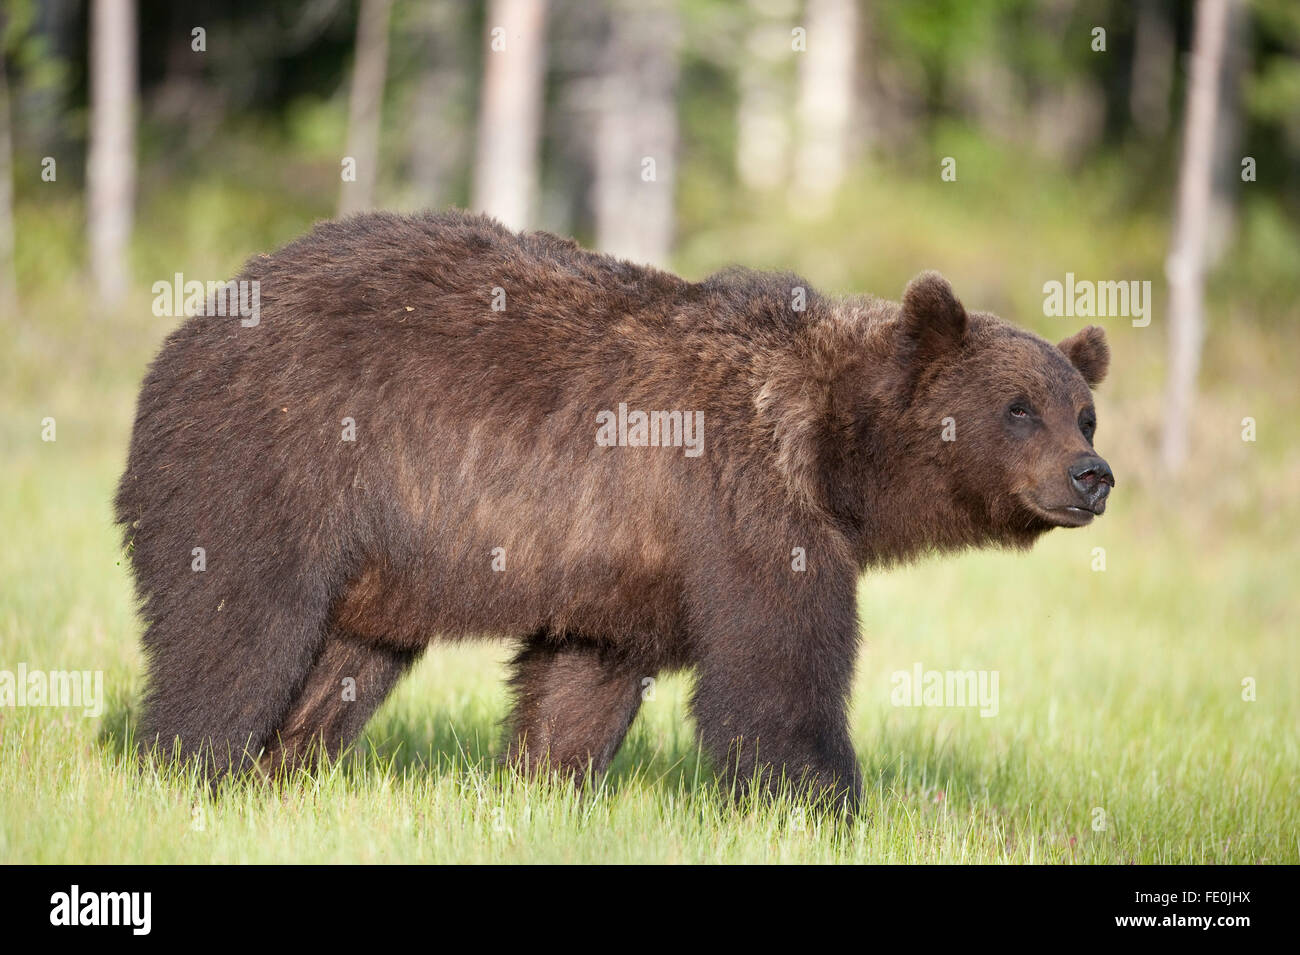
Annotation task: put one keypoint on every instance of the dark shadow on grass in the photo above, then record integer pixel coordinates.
(446, 742)
(118, 725)
(438, 743)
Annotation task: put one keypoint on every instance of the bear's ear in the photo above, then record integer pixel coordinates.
(933, 321)
(1088, 352)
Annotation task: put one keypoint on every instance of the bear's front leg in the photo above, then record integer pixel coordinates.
(772, 694)
(573, 706)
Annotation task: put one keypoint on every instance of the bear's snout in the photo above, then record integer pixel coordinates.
(1092, 477)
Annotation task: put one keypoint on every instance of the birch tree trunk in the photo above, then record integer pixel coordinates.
(1225, 173)
(505, 165)
(636, 133)
(826, 81)
(110, 165)
(1185, 266)
(365, 105)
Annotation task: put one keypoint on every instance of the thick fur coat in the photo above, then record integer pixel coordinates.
(431, 434)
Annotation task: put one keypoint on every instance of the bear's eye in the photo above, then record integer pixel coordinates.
(1088, 424)
(1019, 409)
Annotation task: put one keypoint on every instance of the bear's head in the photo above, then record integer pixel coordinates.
(1007, 418)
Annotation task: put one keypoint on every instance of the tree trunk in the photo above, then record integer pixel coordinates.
(1185, 266)
(110, 166)
(636, 133)
(505, 167)
(1225, 174)
(826, 85)
(365, 105)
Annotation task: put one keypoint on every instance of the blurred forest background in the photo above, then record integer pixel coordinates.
(1004, 142)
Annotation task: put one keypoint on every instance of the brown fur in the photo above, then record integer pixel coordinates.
(476, 429)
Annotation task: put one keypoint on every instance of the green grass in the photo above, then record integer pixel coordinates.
(1120, 691)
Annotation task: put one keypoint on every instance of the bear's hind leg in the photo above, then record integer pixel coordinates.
(216, 689)
(573, 706)
(351, 677)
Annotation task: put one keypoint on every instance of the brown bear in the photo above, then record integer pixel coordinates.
(437, 428)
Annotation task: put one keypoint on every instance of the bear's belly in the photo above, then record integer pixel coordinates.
(595, 600)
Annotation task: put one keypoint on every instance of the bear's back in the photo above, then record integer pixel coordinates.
(443, 374)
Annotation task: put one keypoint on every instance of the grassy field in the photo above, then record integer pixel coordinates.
(1121, 734)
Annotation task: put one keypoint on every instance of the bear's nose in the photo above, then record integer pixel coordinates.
(1092, 477)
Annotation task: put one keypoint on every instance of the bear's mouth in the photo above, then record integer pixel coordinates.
(1073, 515)
(1069, 515)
